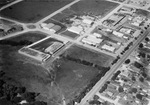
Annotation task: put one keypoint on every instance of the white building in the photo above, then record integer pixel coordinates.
(109, 48)
(87, 21)
(125, 30)
(94, 39)
(118, 34)
(97, 35)
(75, 29)
(88, 41)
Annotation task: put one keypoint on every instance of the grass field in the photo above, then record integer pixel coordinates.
(73, 77)
(93, 7)
(84, 54)
(32, 11)
(87, 7)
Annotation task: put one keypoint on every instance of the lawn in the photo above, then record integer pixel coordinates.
(32, 11)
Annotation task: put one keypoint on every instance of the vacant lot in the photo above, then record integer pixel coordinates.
(94, 7)
(32, 11)
(73, 77)
(87, 7)
(84, 54)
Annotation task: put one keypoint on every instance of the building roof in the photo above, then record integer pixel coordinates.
(55, 28)
(94, 39)
(54, 47)
(87, 21)
(109, 48)
(88, 41)
(75, 29)
(97, 35)
(118, 33)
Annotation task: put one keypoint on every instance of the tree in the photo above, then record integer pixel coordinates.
(139, 96)
(127, 61)
(141, 79)
(120, 89)
(147, 39)
(141, 45)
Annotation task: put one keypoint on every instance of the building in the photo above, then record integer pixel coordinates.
(47, 26)
(118, 34)
(55, 28)
(88, 41)
(97, 35)
(94, 39)
(87, 21)
(54, 47)
(108, 48)
(75, 29)
(126, 30)
(34, 54)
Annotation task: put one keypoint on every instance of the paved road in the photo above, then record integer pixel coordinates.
(108, 75)
(17, 1)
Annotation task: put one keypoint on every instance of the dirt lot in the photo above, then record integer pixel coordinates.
(32, 11)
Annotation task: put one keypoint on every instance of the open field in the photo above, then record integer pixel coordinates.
(32, 11)
(97, 8)
(90, 56)
(73, 77)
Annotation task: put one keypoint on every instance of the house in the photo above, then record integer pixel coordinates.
(75, 29)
